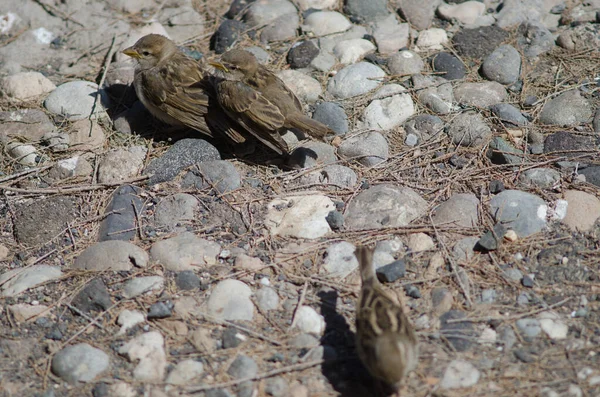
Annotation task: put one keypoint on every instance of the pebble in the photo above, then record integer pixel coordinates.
(501, 152)
(467, 13)
(481, 95)
(185, 372)
(432, 39)
(390, 36)
(492, 239)
(200, 338)
(183, 154)
(75, 166)
(567, 109)
(261, 55)
(261, 13)
(384, 206)
(441, 300)
(230, 300)
(83, 138)
(464, 249)
(302, 54)
(420, 242)
(503, 65)
(339, 259)
(564, 141)
(405, 62)
(121, 224)
(459, 334)
(140, 285)
(28, 124)
(15, 281)
(469, 129)
(508, 337)
(522, 212)
(309, 321)
(26, 86)
(79, 363)
(311, 154)
(221, 175)
(93, 297)
(120, 164)
(299, 216)
(24, 154)
(582, 212)
(277, 387)
(392, 271)
(477, 43)
(461, 209)
(435, 93)
(450, 67)
(459, 374)
(356, 79)
(306, 88)
(128, 319)
(185, 251)
(75, 100)
(242, 367)
(368, 149)
(534, 39)
(37, 222)
(227, 34)
(316, 4)
(366, 10)
(527, 281)
(283, 28)
(187, 281)
(324, 62)
(267, 299)
(175, 209)
(111, 255)
(331, 175)
(23, 312)
(323, 23)
(160, 310)
(333, 116)
(148, 348)
(4, 252)
(350, 51)
(508, 114)
(529, 327)
(387, 113)
(420, 14)
(544, 178)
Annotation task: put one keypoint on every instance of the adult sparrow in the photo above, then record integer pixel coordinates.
(175, 89)
(258, 100)
(385, 339)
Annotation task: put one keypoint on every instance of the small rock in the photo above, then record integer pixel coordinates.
(582, 212)
(420, 242)
(435, 93)
(302, 54)
(503, 65)
(282, 28)
(121, 164)
(140, 285)
(261, 13)
(185, 372)
(202, 341)
(187, 280)
(333, 116)
(529, 327)
(111, 255)
(242, 367)
(459, 334)
(305, 87)
(356, 79)
(267, 299)
(567, 109)
(366, 10)
(15, 281)
(316, 4)
(75, 166)
(482, 95)
(309, 321)
(527, 281)
(23, 312)
(160, 310)
(185, 252)
(75, 100)
(467, 12)
(299, 216)
(492, 239)
(441, 300)
(148, 348)
(477, 43)
(175, 209)
(464, 249)
(311, 154)
(340, 259)
(392, 271)
(390, 36)
(420, 14)
(350, 51)
(369, 149)
(277, 387)
(230, 300)
(93, 297)
(534, 39)
(26, 86)
(387, 113)
(221, 174)
(432, 39)
(24, 154)
(522, 212)
(128, 319)
(405, 63)
(459, 374)
(335, 219)
(323, 23)
(424, 126)
(500, 152)
(79, 363)
(120, 218)
(28, 124)
(461, 209)
(384, 206)
(331, 175)
(508, 114)
(450, 67)
(469, 129)
(544, 178)
(86, 137)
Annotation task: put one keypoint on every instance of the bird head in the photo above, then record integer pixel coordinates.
(150, 50)
(236, 64)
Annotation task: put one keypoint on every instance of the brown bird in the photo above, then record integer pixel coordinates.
(259, 101)
(385, 339)
(176, 90)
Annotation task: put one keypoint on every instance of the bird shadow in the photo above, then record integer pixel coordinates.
(347, 375)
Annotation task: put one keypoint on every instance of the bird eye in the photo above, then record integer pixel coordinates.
(145, 53)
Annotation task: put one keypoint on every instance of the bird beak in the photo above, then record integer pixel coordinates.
(219, 66)
(132, 52)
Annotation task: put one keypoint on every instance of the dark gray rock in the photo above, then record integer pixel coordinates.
(523, 212)
(93, 297)
(392, 271)
(450, 66)
(534, 39)
(236, 7)
(333, 116)
(478, 43)
(500, 152)
(491, 240)
(242, 367)
(496, 186)
(137, 119)
(508, 114)
(335, 219)
(565, 143)
(187, 280)
(40, 221)
(160, 310)
(120, 222)
(461, 335)
(366, 10)
(301, 55)
(592, 175)
(181, 155)
(221, 175)
(412, 291)
(527, 281)
(226, 35)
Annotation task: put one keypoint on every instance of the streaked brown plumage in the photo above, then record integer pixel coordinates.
(258, 100)
(174, 88)
(385, 339)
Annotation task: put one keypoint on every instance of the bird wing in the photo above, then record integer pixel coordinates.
(254, 112)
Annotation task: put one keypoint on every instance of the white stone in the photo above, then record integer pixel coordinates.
(432, 39)
(460, 374)
(148, 348)
(552, 325)
(140, 285)
(387, 113)
(466, 13)
(340, 260)
(185, 251)
(306, 88)
(309, 321)
(420, 242)
(7, 21)
(75, 100)
(299, 216)
(128, 319)
(390, 35)
(322, 23)
(356, 79)
(15, 281)
(23, 154)
(22, 312)
(185, 372)
(121, 163)
(316, 4)
(43, 35)
(230, 300)
(26, 86)
(350, 51)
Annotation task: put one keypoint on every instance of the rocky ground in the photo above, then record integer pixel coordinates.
(138, 260)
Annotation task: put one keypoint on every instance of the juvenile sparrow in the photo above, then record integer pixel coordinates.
(258, 100)
(385, 339)
(174, 88)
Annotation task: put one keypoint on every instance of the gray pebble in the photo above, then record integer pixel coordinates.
(333, 116)
(503, 65)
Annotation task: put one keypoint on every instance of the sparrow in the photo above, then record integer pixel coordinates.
(258, 100)
(175, 88)
(385, 339)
